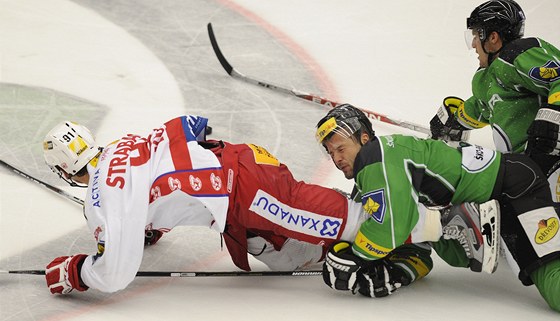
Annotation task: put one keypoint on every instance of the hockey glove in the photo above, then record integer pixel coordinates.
(63, 274)
(543, 137)
(380, 278)
(444, 124)
(341, 266)
(152, 236)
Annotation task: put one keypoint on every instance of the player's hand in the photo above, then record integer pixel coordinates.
(341, 266)
(380, 278)
(152, 236)
(543, 137)
(63, 274)
(444, 124)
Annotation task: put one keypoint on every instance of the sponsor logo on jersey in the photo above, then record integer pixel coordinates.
(174, 183)
(216, 182)
(476, 158)
(262, 156)
(195, 182)
(95, 195)
(369, 247)
(547, 230)
(390, 141)
(230, 180)
(309, 223)
(155, 193)
(100, 243)
(549, 72)
(374, 204)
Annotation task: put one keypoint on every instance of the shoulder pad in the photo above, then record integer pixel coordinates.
(513, 49)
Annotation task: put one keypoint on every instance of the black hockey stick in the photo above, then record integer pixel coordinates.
(303, 95)
(193, 274)
(44, 184)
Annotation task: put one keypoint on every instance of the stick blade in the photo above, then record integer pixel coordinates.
(223, 61)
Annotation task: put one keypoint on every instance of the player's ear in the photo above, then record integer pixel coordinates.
(364, 137)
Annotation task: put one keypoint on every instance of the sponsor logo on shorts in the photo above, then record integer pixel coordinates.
(309, 223)
(547, 230)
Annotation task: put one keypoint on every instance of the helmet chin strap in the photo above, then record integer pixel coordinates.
(491, 55)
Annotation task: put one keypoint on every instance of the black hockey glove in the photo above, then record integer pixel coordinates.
(341, 266)
(444, 124)
(380, 278)
(543, 137)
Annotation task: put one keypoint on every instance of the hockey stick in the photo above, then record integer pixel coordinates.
(44, 184)
(303, 95)
(192, 274)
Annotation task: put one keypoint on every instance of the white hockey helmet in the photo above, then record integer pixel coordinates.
(68, 148)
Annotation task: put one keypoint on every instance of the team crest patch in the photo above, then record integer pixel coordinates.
(374, 204)
(547, 73)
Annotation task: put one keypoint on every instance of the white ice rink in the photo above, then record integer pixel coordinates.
(123, 66)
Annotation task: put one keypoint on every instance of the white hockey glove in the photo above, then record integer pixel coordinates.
(63, 274)
(444, 124)
(340, 270)
(543, 134)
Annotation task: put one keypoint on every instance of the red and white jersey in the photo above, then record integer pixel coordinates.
(155, 182)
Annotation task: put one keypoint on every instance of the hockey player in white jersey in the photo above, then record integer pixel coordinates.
(175, 177)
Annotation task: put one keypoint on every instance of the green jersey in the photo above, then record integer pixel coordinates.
(398, 176)
(508, 93)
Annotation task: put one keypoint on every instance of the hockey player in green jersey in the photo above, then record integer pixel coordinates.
(516, 89)
(397, 177)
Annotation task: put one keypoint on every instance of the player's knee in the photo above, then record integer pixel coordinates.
(547, 281)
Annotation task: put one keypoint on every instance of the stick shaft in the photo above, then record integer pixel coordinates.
(44, 184)
(303, 95)
(191, 274)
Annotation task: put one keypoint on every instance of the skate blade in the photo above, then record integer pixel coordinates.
(490, 223)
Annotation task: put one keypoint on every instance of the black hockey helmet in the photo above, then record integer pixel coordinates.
(345, 120)
(503, 16)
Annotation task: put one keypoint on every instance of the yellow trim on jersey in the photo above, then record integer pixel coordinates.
(262, 156)
(370, 248)
(554, 98)
(93, 162)
(468, 120)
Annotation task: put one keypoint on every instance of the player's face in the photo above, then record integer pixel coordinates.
(343, 151)
(478, 46)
